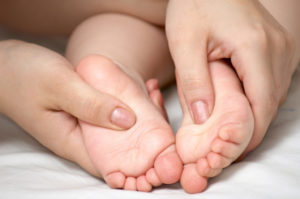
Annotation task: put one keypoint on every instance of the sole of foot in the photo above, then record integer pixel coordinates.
(208, 148)
(142, 156)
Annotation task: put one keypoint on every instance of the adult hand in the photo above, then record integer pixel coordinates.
(260, 49)
(41, 92)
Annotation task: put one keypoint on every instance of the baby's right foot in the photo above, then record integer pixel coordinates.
(208, 148)
(138, 158)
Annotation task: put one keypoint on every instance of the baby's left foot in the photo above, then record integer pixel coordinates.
(208, 148)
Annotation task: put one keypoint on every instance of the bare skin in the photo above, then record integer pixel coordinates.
(141, 157)
(34, 94)
(213, 145)
(219, 141)
(261, 38)
(145, 155)
(10, 14)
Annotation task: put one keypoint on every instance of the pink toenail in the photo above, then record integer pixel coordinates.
(200, 112)
(123, 118)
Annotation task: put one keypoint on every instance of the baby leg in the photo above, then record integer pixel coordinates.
(116, 54)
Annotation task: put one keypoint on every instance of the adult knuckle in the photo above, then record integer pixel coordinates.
(93, 107)
(191, 83)
(272, 102)
(280, 40)
(254, 35)
(195, 87)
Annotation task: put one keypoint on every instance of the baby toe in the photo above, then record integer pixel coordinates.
(152, 178)
(217, 161)
(168, 166)
(115, 180)
(235, 133)
(227, 149)
(191, 181)
(130, 184)
(204, 169)
(142, 184)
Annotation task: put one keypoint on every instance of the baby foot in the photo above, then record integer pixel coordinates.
(208, 148)
(138, 158)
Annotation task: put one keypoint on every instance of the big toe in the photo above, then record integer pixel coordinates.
(168, 166)
(191, 181)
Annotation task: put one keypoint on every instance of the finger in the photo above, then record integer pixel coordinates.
(86, 103)
(193, 75)
(255, 71)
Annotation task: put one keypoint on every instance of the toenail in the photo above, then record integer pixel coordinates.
(200, 112)
(123, 118)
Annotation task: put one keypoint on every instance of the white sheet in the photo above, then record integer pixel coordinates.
(28, 170)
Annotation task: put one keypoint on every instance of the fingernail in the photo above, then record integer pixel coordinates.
(122, 118)
(200, 112)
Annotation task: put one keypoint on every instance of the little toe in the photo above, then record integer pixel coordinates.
(191, 181)
(115, 180)
(213, 172)
(227, 149)
(217, 161)
(158, 100)
(152, 84)
(142, 184)
(168, 166)
(235, 133)
(130, 184)
(152, 178)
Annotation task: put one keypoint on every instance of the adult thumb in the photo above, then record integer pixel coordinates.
(86, 103)
(193, 76)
